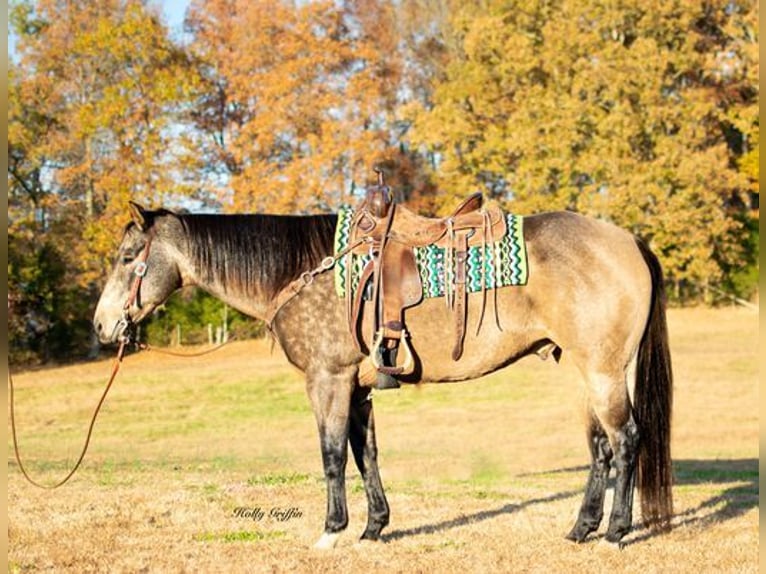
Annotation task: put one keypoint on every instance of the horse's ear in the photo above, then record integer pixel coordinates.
(138, 215)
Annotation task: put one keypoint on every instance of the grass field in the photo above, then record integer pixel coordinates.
(212, 465)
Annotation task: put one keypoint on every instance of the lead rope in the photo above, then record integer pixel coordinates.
(139, 272)
(147, 347)
(115, 369)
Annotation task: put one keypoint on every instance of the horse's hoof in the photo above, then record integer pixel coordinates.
(579, 534)
(327, 541)
(576, 538)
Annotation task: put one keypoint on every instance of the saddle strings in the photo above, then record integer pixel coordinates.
(486, 229)
(449, 261)
(496, 273)
(494, 255)
(494, 260)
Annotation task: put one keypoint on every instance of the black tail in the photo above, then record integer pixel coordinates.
(653, 400)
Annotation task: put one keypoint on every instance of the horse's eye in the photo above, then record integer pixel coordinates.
(129, 253)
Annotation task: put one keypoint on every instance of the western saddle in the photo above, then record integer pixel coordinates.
(390, 232)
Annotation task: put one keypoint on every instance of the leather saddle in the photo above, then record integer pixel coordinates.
(390, 233)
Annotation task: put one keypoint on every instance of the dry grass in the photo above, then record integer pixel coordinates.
(482, 476)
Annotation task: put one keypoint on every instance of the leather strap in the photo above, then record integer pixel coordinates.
(139, 271)
(401, 287)
(459, 310)
(356, 307)
(115, 370)
(304, 280)
(377, 258)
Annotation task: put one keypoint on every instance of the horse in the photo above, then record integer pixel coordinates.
(594, 292)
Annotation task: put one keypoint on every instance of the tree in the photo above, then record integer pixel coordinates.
(299, 100)
(645, 113)
(621, 111)
(96, 117)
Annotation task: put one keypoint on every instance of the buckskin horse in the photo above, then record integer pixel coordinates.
(594, 292)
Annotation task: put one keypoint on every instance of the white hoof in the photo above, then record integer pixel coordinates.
(327, 541)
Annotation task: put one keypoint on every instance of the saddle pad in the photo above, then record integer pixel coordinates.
(509, 256)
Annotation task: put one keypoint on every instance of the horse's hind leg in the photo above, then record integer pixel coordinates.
(365, 450)
(611, 404)
(625, 454)
(592, 509)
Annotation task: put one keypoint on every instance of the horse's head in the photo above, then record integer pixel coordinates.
(144, 274)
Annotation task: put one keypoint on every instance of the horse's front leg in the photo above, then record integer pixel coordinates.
(330, 395)
(365, 449)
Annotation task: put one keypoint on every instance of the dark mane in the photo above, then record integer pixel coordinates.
(257, 253)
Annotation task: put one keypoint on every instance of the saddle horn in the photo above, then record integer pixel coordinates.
(378, 197)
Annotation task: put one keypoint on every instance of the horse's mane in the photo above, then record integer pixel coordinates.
(257, 253)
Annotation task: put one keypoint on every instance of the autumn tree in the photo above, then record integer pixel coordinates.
(97, 96)
(633, 111)
(300, 98)
(645, 113)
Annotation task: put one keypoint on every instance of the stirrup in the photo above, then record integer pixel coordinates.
(376, 354)
(384, 381)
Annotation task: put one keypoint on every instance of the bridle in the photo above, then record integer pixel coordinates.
(127, 326)
(127, 332)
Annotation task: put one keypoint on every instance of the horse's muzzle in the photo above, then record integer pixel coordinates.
(124, 331)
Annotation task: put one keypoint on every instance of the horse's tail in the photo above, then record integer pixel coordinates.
(653, 402)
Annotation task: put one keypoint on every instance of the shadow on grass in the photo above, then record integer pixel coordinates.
(737, 479)
(465, 519)
(734, 500)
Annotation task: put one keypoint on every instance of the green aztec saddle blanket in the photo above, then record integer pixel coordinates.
(504, 264)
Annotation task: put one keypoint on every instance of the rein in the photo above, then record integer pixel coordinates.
(147, 347)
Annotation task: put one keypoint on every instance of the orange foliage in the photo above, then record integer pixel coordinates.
(301, 97)
(106, 86)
